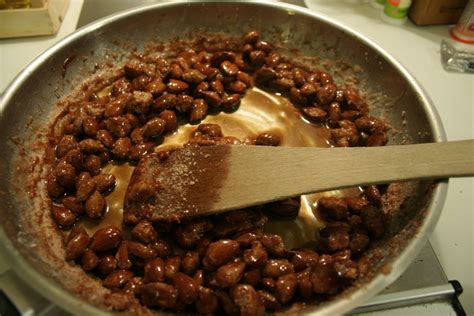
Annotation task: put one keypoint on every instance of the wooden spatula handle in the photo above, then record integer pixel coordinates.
(363, 166)
(278, 173)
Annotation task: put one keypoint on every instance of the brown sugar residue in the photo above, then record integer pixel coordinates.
(182, 176)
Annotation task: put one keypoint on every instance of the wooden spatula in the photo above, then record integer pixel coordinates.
(208, 180)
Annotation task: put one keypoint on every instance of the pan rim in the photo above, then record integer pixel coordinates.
(72, 303)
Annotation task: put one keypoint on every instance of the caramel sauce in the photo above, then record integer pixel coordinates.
(122, 174)
(258, 112)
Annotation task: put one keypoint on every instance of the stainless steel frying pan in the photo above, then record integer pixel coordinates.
(27, 234)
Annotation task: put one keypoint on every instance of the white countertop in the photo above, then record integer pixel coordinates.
(418, 49)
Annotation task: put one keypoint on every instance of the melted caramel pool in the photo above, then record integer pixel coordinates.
(258, 112)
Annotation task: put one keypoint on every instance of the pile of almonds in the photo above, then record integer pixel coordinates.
(218, 264)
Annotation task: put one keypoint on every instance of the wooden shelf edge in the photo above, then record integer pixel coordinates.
(33, 21)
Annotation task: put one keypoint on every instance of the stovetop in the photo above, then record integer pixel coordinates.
(422, 290)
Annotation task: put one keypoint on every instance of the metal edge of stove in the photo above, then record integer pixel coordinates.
(423, 282)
